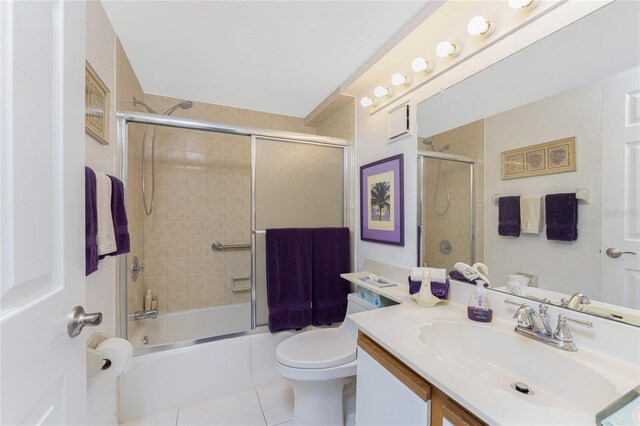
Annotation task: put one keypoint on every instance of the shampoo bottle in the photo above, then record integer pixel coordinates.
(147, 301)
(478, 308)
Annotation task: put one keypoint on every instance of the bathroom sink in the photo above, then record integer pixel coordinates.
(499, 358)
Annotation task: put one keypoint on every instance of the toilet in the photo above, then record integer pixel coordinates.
(318, 364)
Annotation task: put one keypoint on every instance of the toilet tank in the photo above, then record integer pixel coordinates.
(355, 304)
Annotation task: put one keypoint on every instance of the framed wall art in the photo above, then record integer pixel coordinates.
(96, 114)
(382, 201)
(543, 159)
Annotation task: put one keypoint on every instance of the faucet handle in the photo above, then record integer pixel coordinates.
(562, 332)
(583, 323)
(543, 309)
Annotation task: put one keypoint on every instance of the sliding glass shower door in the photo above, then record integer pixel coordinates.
(296, 185)
(201, 250)
(446, 211)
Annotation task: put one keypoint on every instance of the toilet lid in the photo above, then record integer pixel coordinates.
(323, 348)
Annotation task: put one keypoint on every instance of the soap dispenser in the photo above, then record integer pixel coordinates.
(478, 308)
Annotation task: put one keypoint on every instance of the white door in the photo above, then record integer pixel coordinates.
(621, 190)
(41, 211)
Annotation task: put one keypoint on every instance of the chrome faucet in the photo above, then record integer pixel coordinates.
(140, 315)
(536, 326)
(527, 317)
(575, 301)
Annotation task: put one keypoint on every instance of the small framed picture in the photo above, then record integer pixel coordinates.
(542, 159)
(96, 115)
(382, 201)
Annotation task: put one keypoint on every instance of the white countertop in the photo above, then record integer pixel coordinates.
(398, 328)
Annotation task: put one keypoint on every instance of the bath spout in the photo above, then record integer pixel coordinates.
(140, 315)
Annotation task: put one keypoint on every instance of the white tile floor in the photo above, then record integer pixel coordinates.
(267, 405)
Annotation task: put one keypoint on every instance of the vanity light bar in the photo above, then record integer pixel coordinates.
(478, 26)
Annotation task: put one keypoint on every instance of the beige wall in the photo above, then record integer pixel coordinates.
(101, 285)
(128, 87)
(563, 267)
(342, 124)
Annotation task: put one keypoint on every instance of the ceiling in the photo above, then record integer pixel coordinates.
(283, 57)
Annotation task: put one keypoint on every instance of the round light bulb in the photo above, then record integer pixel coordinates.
(419, 65)
(519, 4)
(478, 25)
(381, 92)
(399, 79)
(445, 49)
(366, 102)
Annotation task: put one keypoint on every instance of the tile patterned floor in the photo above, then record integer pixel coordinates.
(267, 405)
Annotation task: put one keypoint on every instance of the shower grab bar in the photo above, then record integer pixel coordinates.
(218, 246)
(234, 279)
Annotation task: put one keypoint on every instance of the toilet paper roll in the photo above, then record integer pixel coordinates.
(117, 356)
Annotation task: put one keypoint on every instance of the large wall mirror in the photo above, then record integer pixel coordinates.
(582, 82)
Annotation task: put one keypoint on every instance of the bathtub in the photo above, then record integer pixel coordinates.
(170, 378)
(192, 325)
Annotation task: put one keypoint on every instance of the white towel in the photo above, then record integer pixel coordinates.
(437, 275)
(106, 238)
(417, 274)
(530, 214)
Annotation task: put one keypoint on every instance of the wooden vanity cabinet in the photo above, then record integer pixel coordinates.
(391, 393)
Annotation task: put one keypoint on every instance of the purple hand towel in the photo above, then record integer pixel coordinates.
(561, 212)
(119, 218)
(330, 258)
(414, 286)
(455, 275)
(509, 216)
(289, 277)
(90, 221)
(440, 290)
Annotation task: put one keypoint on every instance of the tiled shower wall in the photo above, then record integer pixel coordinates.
(203, 194)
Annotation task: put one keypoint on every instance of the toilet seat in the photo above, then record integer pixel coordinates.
(322, 348)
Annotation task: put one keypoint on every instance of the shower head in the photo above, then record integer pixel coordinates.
(428, 142)
(181, 105)
(135, 101)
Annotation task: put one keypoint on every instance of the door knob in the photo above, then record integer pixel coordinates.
(78, 319)
(616, 253)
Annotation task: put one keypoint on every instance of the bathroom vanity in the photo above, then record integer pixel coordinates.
(420, 365)
(390, 392)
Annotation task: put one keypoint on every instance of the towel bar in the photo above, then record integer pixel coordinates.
(582, 195)
(218, 246)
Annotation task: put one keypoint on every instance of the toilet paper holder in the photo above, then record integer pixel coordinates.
(95, 363)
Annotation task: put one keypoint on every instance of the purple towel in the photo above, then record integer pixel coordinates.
(90, 221)
(440, 290)
(330, 258)
(119, 218)
(509, 216)
(289, 277)
(455, 275)
(414, 286)
(561, 212)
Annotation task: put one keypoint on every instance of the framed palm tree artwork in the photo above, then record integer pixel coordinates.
(382, 200)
